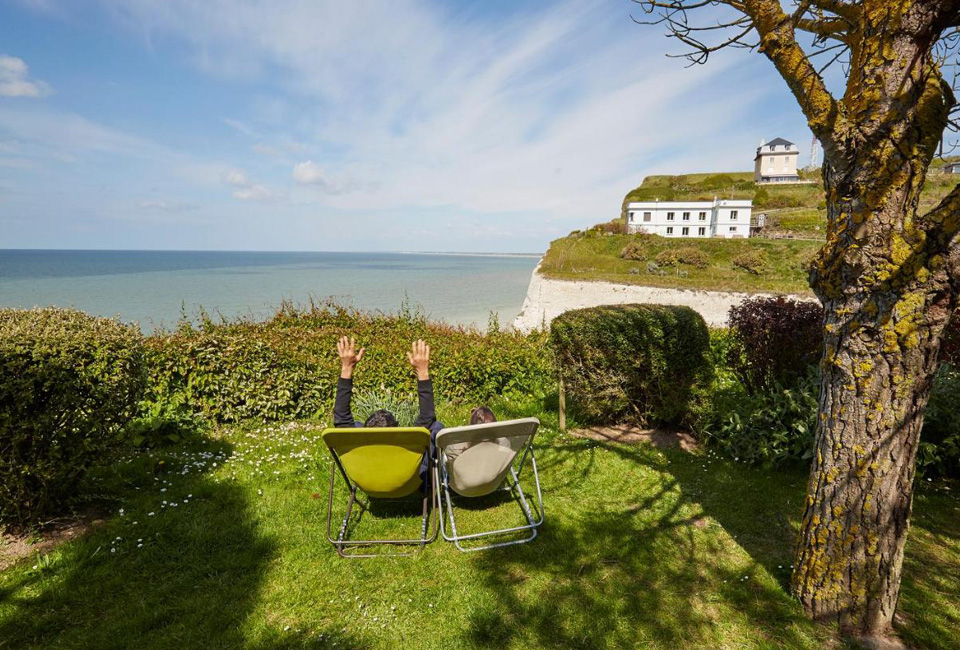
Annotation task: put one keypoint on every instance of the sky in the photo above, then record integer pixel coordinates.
(322, 125)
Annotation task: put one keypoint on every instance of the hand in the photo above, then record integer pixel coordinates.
(348, 358)
(419, 358)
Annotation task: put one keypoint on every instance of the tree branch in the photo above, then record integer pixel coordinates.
(778, 42)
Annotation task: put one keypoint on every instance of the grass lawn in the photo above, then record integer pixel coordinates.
(641, 549)
(596, 256)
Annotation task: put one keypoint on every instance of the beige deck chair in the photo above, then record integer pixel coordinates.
(477, 460)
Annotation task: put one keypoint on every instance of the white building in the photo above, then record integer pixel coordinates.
(776, 162)
(717, 218)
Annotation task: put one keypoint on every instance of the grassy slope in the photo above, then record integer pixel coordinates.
(641, 548)
(793, 209)
(595, 256)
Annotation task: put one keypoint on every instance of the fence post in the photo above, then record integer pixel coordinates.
(563, 407)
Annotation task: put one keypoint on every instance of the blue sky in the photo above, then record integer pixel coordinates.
(360, 125)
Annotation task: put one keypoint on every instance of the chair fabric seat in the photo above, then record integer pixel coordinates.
(478, 457)
(384, 463)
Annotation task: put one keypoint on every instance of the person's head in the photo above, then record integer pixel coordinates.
(482, 415)
(379, 419)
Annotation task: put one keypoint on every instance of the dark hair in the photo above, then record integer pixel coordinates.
(482, 415)
(381, 418)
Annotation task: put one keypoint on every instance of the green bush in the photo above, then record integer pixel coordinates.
(939, 450)
(68, 383)
(634, 251)
(287, 367)
(768, 427)
(693, 256)
(668, 257)
(750, 261)
(631, 362)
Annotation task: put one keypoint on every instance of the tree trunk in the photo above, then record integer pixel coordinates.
(886, 301)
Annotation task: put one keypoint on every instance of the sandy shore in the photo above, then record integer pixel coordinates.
(546, 299)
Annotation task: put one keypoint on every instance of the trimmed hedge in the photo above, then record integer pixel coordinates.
(68, 383)
(287, 367)
(631, 362)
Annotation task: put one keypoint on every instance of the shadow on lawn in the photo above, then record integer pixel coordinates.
(193, 583)
(639, 572)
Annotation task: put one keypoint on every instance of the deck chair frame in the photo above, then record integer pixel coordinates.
(512, 482)
(349, 548)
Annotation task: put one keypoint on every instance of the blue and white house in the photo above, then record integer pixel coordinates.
(699, 219)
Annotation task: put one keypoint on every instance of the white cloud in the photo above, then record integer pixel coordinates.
(246, 189)
(15, 82)
(310, 173)
(558, 110)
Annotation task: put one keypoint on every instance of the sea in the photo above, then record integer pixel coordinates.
(157, 288)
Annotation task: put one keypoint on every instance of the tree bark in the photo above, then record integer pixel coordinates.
(885, 281)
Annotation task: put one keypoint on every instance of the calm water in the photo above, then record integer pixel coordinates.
(150, 287)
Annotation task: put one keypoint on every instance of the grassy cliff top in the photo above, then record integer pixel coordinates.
(748, 265)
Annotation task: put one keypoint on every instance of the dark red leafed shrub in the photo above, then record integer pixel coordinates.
(774, 340)
(950, 347)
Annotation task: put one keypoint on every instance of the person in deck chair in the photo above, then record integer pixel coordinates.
(419, 358)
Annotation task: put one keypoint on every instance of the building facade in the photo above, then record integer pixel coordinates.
(698, 219)
(776, 162)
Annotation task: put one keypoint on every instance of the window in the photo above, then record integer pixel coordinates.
(646, 217)
(685, 231)
(670, 216)
(733, 229)
(669, 230)
(733, 215)
(686, 216)
(701, 231)
(631, 217)
(703, 216)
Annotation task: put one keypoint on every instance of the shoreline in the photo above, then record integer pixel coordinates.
(547, 298)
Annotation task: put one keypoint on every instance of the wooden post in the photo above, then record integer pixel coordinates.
(563, 407)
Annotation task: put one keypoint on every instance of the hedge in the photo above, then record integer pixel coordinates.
(68, 383)
(631, 362)
(287, 367)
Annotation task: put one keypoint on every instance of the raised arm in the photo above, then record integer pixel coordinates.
(419, 358)
(342, 414)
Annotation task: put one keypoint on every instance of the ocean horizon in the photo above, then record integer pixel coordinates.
(157, 288)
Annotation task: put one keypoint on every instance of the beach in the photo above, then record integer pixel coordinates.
(547, 298)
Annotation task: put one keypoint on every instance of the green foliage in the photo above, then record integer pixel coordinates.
(68, 383)
(668, 257)
(634, 251)
(768, 427)
(693, 256)
(754, 262)
(761, 198)
(939, 450)
(287, 366)
(631, 362)
(163, 423)
(404, 407)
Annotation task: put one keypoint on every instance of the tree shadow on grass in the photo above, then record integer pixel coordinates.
(644, 568)
(185, 576)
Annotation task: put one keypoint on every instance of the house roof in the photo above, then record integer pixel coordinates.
(776, 141)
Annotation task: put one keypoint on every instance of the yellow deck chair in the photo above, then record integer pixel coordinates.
(383, 464)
